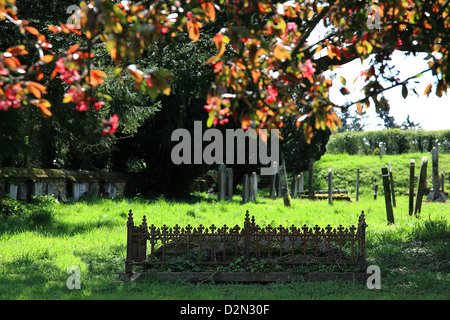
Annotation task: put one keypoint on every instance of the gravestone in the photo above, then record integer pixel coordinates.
(253, 194)
(221, 182)
(301, 185)
(13, 190)
(245, 189)
(294, 185)
(436, 195)
(22, 192)
(284, 187)
(229, 184)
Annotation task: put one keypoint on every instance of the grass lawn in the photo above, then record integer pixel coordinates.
(39, 243)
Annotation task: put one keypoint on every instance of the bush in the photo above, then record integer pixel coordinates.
(397, 141)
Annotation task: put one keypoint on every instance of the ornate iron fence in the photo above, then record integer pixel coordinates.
(221, 246)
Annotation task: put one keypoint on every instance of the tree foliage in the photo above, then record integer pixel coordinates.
(262, 54)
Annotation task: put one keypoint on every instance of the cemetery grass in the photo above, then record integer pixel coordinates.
(35, 252)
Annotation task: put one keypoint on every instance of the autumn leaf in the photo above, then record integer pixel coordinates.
(96, 78)
(17, 50)
(427, 90)
(209, 10)
(73, 48)
(344, 91)
(46, 59)
(193, 29)
(32, 30)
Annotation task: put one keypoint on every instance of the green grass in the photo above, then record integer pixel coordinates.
(35, 253)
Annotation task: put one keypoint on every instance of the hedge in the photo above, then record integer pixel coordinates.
(397, 141)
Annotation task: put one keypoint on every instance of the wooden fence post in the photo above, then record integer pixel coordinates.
(391, 180)
(310, 178)
(375, 191)
(411, 186)
(387, 194)
(421, 185)
(357, 184)
(330, 186)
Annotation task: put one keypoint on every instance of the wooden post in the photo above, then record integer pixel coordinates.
(284, 187)
(411, 186)
(375, 191)
(310, 178)
(357, 184)
(391, 180)
(330, 186)
(421, 185)
(387, 195)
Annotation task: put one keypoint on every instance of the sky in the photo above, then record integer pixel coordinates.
(432, 112)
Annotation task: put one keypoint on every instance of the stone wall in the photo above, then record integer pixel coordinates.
(24, 183)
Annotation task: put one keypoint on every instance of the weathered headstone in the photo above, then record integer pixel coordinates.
(284, 186)
(387, 195)
(421, 185)
(13, 190)
(22, 192)
(301, 185)
(273, 180)
(294, 185)
(253, 187)
(221, 182)
(436, 195)
(245, 189)
(382, 146)
(229, 184)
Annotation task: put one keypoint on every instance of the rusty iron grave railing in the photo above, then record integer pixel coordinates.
(280, 245)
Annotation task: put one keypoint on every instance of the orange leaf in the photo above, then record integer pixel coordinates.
(73, 48)
(36, 92)
(209, 10)
(194, 30)
(427, 90)
(54, 29)
(39, 86)
(17, 50)
(47, 58)
(32, 30)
